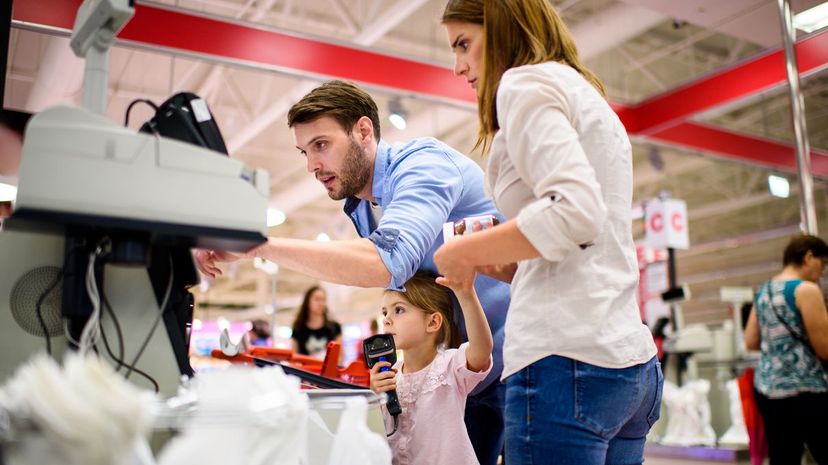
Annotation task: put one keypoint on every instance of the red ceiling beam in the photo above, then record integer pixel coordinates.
(740, 147)
(175, 29)
(663, 118)
(727, 85)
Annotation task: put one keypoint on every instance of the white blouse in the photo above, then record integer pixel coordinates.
(562, 164)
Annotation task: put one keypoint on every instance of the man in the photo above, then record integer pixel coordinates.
(398, 198)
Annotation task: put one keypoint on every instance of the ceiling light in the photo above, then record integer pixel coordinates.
(275, 217)
(779, 186)
(322, 237)
(8, 192)
(397, 114)
(812, 19)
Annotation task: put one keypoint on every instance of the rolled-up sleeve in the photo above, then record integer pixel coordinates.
(534, 118)
(424, 187)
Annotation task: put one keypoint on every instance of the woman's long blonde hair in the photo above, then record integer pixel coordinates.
(525, 32)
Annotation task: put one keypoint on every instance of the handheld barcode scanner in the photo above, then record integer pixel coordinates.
(381, 348)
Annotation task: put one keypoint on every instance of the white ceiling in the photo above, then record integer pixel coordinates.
(639, 48)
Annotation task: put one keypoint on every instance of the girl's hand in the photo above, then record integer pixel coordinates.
(383, 381)
(465, 286)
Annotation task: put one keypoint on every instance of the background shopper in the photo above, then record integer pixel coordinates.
(313, 329)
(789, 324)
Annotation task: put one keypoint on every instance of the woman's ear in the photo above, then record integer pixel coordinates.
(808, 258)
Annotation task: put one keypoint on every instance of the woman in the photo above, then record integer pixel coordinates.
(312, 329)
(790, 326)
(582, 381)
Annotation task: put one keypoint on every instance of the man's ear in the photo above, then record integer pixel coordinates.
(434, 323)
(364, 130)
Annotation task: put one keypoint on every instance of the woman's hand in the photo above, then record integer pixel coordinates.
(383, 381)
(503, 273)
(452, 263)
(207, 260)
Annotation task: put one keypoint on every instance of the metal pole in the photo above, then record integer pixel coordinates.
(5, 32)
(807, 210)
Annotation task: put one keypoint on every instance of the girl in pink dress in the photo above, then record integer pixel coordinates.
(433, 378)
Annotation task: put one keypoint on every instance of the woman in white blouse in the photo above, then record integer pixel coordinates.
(582, 381)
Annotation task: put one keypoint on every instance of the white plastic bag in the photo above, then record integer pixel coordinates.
(354, 443)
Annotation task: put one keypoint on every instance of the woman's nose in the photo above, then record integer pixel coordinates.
(459, 67)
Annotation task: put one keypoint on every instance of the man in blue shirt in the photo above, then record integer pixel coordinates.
(398, 198)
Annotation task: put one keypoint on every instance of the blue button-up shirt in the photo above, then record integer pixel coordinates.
(420, 185)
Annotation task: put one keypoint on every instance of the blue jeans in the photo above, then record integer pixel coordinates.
(484, 422)
(562, 411)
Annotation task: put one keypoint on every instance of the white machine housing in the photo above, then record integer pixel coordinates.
(79, 167)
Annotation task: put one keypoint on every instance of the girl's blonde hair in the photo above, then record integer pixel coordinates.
(421, 291)
(516, 33)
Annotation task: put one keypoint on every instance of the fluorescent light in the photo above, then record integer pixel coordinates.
(322, 237)
(397, 113)
(275, 217)
(397, 120)
(8, 192)
(779, 186)
(812, 19)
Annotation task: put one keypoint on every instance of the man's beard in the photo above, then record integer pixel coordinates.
(356, 170)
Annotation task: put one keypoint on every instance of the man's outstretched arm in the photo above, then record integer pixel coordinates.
(353, 262)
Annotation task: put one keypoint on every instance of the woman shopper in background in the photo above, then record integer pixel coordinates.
(313, 329)
(582, 381)
(789, 324)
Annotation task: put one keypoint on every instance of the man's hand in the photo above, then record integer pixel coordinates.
(383, 381)
(207, 260)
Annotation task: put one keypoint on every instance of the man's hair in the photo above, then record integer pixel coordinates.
(342, 101)
(421, 291)
(799, 246)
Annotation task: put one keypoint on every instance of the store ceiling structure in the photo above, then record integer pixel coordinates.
(699, 84)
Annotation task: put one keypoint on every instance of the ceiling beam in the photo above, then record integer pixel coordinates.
(733, 83)
(663, 118)
(370, 34)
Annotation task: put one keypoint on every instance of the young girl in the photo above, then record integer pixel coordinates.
(433, 378)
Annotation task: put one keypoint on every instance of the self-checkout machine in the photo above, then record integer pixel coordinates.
(666, 228)
(103, 225)
(729, 347)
